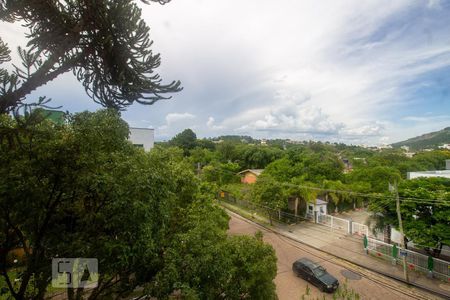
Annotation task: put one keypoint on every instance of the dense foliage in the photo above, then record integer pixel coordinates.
(82, 190)
(425, 208)
(345, 176)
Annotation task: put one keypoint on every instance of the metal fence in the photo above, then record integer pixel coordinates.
(274, 214)
(334, 223)
(360, 229)
(415, 261)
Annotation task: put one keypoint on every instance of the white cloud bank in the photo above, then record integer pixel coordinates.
(345, 70)
(328, 69)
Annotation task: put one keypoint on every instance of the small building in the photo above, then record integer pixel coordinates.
(250, 175)
(142, 137)
(319, 206)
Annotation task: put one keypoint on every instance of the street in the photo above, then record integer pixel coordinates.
(367, 284)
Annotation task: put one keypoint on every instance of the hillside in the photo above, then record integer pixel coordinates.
(428, 140)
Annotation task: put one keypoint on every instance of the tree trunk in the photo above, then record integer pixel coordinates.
(270, 216)
(296, 206)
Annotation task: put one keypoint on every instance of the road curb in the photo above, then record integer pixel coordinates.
(399, 279)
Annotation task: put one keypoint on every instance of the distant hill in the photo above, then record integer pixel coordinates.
(429, 140)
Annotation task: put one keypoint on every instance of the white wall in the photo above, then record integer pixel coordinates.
(444, 173)
(316, 208)
(142, 136)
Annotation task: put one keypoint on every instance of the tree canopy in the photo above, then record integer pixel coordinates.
(80, 189)
(186, 140)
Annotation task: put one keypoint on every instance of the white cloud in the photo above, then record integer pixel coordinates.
(211, 124)
(172, 118)
(344, 68)
(325, 67)
(290, 117)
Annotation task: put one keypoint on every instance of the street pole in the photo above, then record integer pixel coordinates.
(400, 225)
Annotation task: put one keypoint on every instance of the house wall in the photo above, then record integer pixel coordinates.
(144, 137)
(319, 208)
(249, 178)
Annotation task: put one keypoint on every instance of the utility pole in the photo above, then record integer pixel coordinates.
(400, 225)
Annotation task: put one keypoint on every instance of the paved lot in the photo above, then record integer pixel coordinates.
(291, 287)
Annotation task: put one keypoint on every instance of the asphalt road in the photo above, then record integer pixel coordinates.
(367, 285)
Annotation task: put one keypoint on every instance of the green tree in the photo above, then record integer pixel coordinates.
(221, 173)
(82, 190)
(186, 140)
(227, 151)
(378, 177)
(425, 207)
(333, 194)
(321, 166)
(203, 262)
(430, 160)
(426, 223)
(256, 157)
(281, 169)
(201, 156)
(271, 194)
(104, 43)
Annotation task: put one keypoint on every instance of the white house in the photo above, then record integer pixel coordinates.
(142, 137)
(319, 206)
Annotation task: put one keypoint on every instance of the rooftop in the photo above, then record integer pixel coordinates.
(257, 172)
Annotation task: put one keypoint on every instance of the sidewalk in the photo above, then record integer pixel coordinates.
(346, 247)
(351, 249)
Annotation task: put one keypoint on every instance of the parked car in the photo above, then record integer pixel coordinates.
(315, 274)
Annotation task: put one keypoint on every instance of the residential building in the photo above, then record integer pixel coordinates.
(142, 137)
(249, 176)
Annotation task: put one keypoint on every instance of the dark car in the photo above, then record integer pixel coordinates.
(315, 274)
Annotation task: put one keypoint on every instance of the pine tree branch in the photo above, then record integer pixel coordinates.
(41, 77)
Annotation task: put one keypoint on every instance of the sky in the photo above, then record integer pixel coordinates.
(359, 72)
